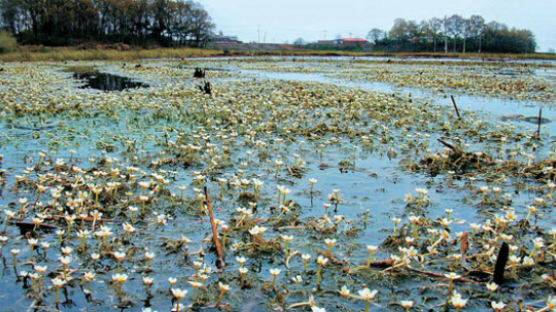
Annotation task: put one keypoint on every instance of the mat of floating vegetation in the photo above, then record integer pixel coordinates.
(455, 160)
(462, 162)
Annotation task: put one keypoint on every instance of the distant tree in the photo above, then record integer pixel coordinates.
(455, 26)
(435, 25)
(477, 26)
(375, 35)
(412, 29)
(467, 32)
(202, 25)
(445, 32)
(472, 33)
(399, 30)
(299, 41)
(495, 26)
(431, 28)
(135, 21)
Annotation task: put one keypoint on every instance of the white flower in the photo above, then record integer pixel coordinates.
(223, 287)
(322, 260)
(241, 260)
(452, 275)
(458, 301)
(257, 230)
(89, 276)
(421, 191)
(243, 270)
(344, 291)
(147, 280)
(527, 261)
(275, 272)
(287, 238)
(538, 243)
(491, 286)
(179, 293)
(119, 278)
(149, 255)
(128, 227)
(372, 248)
(119, 255)
(497, 306)
(366, 294)
(406, 303)
(58, 283)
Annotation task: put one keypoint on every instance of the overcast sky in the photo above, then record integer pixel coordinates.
(286, 20)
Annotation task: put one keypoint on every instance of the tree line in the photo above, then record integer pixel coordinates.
(137, 22)
(454, 33)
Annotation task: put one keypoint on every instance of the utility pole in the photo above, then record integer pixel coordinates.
(259, 34)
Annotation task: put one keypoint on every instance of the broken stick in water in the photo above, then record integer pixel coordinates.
(539, 124)
(500, 264)
(455, 106)
(220, 261)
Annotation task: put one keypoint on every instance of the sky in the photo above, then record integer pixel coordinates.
(286, 20)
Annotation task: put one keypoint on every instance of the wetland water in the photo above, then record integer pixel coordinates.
(323, 154)
(107, 82)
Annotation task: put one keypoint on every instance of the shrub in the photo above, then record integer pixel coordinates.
(7, 42)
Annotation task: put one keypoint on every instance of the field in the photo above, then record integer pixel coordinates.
(328, 178)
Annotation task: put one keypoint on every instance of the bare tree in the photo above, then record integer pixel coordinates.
(445, 33)
(431, 28)
(467, 32)
(375, 34)
(435, 25)
(477, 24)
(299, 41)
(399, 30)
(455, 25)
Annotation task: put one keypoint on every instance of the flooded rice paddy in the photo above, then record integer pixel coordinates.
(335, 183)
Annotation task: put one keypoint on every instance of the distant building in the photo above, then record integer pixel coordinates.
(225, 39)
(326, 42)
(353, 42)
(345, 42)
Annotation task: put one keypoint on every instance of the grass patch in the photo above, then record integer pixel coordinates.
(40, 53)
(33, 54)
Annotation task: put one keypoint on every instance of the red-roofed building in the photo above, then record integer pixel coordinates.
(351, 42)
(354, 42)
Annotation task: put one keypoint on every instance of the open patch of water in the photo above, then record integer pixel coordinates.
(107, 82)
